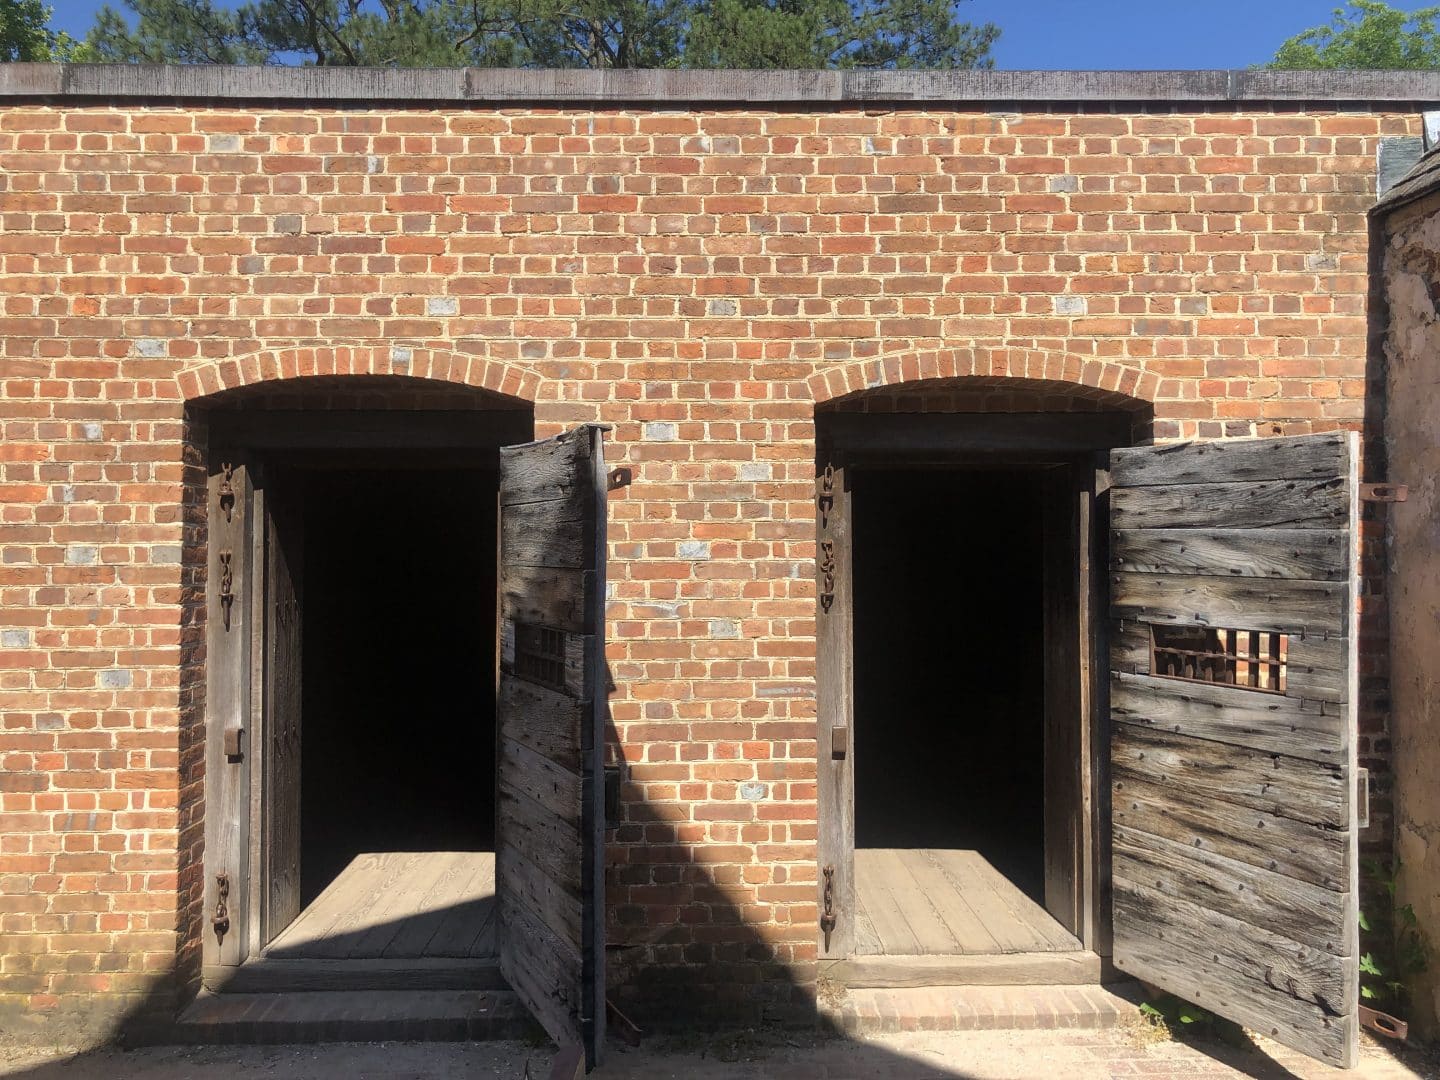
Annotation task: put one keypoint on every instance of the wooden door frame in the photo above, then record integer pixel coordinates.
(1068, 445)
(251, 439)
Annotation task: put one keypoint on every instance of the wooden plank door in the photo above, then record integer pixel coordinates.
(551, 708)
(280, 789)
(835, 676)
(1233, 595)
(231, 573)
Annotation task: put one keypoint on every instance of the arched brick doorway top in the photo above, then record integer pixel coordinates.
(406, 364)
(1105, 383)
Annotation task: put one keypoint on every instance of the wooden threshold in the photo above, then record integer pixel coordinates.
(1013, 969)
(267, 975)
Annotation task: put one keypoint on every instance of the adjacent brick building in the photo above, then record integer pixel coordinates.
(704, 262)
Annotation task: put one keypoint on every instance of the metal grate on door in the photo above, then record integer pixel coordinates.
(1251, 659)
(540, 655)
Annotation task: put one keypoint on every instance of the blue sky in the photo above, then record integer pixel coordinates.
(1097, 34)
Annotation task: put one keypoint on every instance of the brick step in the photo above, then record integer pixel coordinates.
(873, 1011)
(269, 976)
(350, 1016)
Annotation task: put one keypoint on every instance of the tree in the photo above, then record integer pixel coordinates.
(1371, 35)
(544, 33)
(25, 34)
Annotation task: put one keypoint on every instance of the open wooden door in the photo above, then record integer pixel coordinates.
(550, 827)
(280, 788)
(1233, 595)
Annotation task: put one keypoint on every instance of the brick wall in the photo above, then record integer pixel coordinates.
(699, 279)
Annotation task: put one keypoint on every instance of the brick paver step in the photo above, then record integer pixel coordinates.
(351, 1016)
(872, 1011)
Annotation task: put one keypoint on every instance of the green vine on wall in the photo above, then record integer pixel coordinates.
(1394, 946)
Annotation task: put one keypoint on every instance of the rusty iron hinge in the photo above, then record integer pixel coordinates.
(221, 919)
(825, 500)
(1384, 492)
(227, 490)
(827, 920)
(227, 585)
(827, 575)
(618, 477)
(1383, 1024)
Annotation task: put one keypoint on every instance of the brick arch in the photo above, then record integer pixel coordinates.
(407, 361)
(1128, 384)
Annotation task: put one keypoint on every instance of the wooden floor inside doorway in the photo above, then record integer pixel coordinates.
(915, 902)
(399, 905)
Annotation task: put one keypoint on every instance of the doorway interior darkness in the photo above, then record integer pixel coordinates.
(397, 601)
(398, 626)
(950, 711)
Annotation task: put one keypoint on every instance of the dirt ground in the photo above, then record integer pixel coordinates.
(1008, 1055)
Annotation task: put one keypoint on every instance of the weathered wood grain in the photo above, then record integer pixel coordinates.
(1234, 830)
(550, 816)
(552, 721)
(1065, 673)
(835, 704)
(545, 971)
(548, 533)
(1304, 457)
(1291, 787)
(284, 641)
(556, 901)
(1291, 992)
(553, 787)
(973, 969)
(545, 595)
(1302, 850)
(232, 700)
(1295, 909)
(1281, 504)
(1244, 603)
(1319, 554)
(548, 471)
(1235, 715)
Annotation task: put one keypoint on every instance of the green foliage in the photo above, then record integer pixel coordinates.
(835, 34)
(1369, 36)
(25, 34)
(1184, 1018)
(543, 33)
(1394, 944)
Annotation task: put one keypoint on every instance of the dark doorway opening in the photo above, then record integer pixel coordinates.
(397, 668)
(398, 680)
(950, 709)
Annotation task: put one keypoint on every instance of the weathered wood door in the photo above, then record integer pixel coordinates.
(835, 678)
(280, 791)
(550, 828)
(1233, 597)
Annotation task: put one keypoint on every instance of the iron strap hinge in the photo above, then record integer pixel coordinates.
(1386, 493)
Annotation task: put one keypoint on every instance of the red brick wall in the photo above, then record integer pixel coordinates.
(700, 280)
